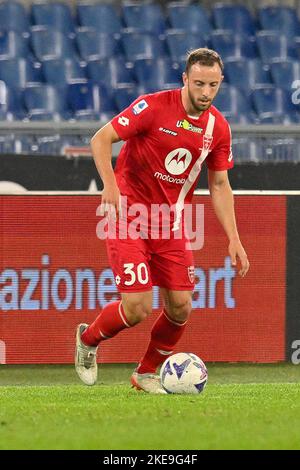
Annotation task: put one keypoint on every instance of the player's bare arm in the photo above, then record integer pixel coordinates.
(101, 145)
(223, 204)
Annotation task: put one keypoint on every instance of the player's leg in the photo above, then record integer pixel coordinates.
(167, 329)
(129, 261)
(172, 269)
(115, 317)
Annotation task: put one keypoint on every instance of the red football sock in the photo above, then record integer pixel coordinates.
(165, 335)
(111, 320)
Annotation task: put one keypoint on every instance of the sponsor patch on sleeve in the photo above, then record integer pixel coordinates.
(139, 107)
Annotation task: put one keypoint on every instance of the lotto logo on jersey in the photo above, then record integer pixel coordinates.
(139, 107)
(177, 161)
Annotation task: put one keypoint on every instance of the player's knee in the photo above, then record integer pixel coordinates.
(137, 311)
(180, 311)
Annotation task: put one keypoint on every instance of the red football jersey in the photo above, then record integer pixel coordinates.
(165, 148)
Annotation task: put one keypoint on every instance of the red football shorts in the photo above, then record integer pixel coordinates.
(139, 264)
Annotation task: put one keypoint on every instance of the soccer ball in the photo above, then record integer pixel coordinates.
(183, 373)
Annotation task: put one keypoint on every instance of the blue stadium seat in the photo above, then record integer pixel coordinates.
(230, 45)
(102, 17)
(285, 73)
(272, 46)
(112, 71)
(62, 71)
(142, 46)
(13, 44)
(157, 74)
(86, 97)
(191, 18)
(45, 100)
(56, 16)
(125, 96)
(231, 102)
(146, 17)
(13, 17)
(11, 102)
(93, 45)
(246, 74)
(18, 73)
(180, 42)
(274, 105)
(281, 19)
(48, 44)
(236, 18)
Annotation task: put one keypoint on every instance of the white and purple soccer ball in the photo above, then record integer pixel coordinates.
(183, 373)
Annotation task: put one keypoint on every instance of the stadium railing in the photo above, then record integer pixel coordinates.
(251, 143)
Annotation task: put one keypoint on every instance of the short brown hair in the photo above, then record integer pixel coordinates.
(203, 56)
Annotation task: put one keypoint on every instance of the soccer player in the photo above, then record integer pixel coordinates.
(168, 134)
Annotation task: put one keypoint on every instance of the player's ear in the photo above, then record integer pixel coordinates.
(184, 77)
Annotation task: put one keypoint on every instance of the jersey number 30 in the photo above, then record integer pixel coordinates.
(138, 272)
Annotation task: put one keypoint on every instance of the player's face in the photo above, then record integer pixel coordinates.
(202, 84)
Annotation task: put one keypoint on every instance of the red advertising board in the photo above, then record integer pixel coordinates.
(54, 274)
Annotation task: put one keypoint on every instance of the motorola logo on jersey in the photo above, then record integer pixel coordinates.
(177, 161)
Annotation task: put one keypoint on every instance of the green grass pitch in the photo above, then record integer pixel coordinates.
(242, 407)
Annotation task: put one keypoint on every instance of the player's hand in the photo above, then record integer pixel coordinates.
(236, 250)
(111, 202)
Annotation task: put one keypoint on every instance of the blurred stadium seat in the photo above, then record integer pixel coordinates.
(191, 18)
(142, 46)
(149, 18)
(281, 19)
(272, 45)
(180, 42)
(86, 99)
(49, 44)
(285, 73)
(236, 18)
(13, 44)
(110, 71)
(102, 17)
(125, 96)
(274, 105)
(230, 45)
(11, 102)
(93, 45)
(20, 72)
(246, 74)
(62, 71)
(45, 102)
(55, 16)
(233, 104)
(13, 17)
(157, 74)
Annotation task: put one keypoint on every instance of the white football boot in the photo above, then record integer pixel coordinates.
(85, 358)
(149, 383)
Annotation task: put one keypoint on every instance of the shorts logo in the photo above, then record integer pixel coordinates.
(191, 274)
(139, 107)
(118, 280)
(124, 121)
(177, 161)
